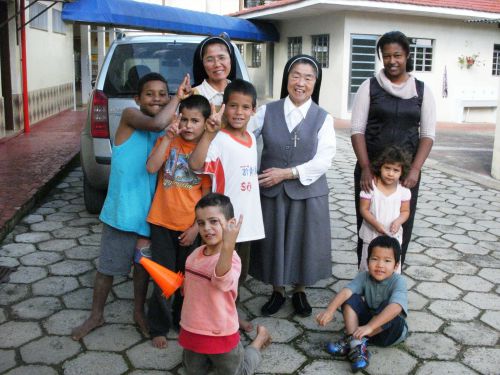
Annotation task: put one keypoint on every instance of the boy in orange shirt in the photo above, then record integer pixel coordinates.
(174, 232)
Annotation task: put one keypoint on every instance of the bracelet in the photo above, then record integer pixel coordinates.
(295, 173)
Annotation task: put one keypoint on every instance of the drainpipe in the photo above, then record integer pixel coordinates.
(24, 70)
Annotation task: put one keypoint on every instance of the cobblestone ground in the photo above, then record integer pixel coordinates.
(452, 272)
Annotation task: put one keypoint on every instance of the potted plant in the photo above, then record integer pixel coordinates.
(468, 61)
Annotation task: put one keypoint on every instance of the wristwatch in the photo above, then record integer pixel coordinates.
(295, 172)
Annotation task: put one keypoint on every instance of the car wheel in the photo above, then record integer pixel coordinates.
(93, 198)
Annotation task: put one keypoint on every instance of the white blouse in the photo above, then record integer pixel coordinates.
(213, 96)
(313, 169)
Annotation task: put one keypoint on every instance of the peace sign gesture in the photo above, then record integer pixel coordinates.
(173, 129)
(184, 89)
(214, 122)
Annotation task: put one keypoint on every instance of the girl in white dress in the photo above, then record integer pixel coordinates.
(387, 206)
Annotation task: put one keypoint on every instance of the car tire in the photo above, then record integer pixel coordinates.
(93, 198)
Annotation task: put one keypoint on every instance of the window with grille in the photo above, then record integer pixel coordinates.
(58, 25)
(42, 21)
(421, 50)
(256, 55)
(252, 3)
(496, 60)
(294, 46)
(320, 49)
(362, 62)
(241, 48)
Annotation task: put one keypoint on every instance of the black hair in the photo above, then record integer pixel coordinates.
(198, 102)
(386, 242)
(302, 59)
(393, 155)
(243, 87)
(399, 38)
(217, 200)
(199, 73)
(150, 77)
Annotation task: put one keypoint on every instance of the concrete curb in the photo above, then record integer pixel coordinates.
(39, 195)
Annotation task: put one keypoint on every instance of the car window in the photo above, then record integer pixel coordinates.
(131, 61)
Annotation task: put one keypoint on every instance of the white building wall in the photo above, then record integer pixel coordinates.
(259, 76)
(49, 56)
(452, 38)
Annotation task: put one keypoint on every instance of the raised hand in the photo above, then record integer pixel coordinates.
(173, 128)
(184, 89)
(230, 231)
(214, 122)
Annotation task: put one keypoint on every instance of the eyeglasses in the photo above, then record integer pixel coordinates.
(212, 60)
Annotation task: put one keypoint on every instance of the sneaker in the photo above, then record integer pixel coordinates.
(274, 304)
(359, 356)
(300, 304)
(339, 348)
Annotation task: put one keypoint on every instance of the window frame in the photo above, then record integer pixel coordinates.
(495, 66)
(294, 46)
(58, 25)
(323, 57)
(41, 22)
(427, 49)
(372, 45)
(256, 55)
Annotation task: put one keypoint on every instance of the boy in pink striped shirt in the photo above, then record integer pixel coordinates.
(209, 320)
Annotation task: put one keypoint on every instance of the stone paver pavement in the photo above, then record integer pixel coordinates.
(453, 273)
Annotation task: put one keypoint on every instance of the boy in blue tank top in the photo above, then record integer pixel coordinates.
(130, 192)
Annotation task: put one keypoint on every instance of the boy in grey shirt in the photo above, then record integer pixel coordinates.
(374, 305)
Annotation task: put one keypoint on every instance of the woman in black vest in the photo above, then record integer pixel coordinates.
(393, 108)
(299, 145)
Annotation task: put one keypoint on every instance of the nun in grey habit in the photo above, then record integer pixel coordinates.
(298, 148)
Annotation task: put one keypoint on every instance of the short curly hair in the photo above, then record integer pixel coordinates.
(393, 155)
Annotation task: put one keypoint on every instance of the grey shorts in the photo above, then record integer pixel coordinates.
(239, 361)
(117, 251)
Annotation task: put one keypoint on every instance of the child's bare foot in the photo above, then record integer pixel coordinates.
(141, 322)
(263, 338)
(159, 342)
(245, 325)
(84, 329)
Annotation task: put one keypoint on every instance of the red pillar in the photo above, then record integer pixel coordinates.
(24, 70)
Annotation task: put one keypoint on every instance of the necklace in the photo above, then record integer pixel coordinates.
(294, 133)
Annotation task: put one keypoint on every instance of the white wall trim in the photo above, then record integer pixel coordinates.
(364, 5)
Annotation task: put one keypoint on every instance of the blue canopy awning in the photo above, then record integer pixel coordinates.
(151, 17)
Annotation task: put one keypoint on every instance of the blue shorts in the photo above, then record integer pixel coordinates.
(391, 331)
(117, 251)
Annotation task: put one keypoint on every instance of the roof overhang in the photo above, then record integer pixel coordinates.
(151, 17)
(292, 9)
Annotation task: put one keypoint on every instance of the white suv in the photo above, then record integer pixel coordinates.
(128, 59)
